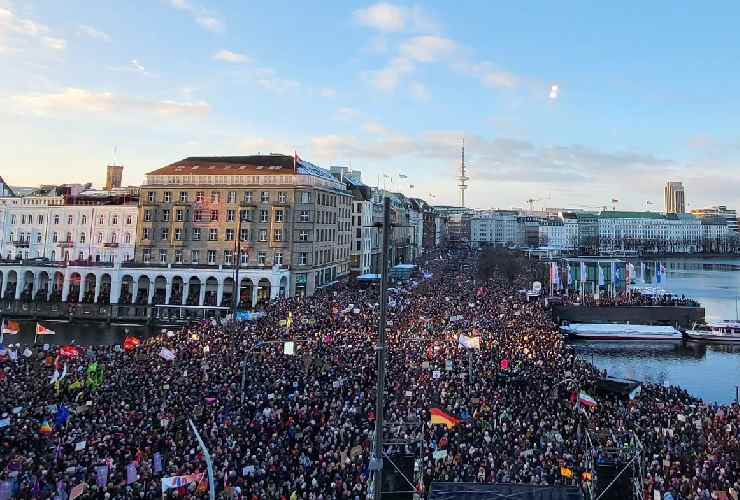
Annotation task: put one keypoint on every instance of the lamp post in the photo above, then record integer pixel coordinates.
(209, 462)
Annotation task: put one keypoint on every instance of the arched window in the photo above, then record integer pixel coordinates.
(113, 238)
(115, 219)
(83, 219)
(100, 219)
(53, 255)
(127, 238)
(82, 237)
(69, 236)
(100, 237)
(56, 219)
(54, 238)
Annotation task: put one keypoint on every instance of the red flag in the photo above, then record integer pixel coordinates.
(69, 351)
(504, 364)
(130, 343)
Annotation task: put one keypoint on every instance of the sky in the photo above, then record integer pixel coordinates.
(568, 103)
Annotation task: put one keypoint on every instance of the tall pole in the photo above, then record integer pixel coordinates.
(209, 462)
(380, 386)
(237, 261)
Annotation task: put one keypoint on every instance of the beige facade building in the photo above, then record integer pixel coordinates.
(294, 232)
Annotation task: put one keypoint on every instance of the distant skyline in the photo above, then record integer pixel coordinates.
(573, 104)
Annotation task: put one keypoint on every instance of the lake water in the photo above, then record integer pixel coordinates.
(710, 372)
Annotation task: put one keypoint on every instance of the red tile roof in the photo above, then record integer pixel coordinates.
(229, 165)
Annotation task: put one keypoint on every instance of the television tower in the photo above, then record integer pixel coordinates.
(462, 178)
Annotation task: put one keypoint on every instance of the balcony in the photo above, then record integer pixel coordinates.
(21, 243)
(66, 244)
(110, 244)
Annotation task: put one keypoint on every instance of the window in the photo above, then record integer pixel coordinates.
(81, 256)
(183, 196)
(231, 198)
(244, 257)
(244, 234)
(212, 234)
(211, 256)
(167, 196)
(214, 215)
(305, 216)
(129, 219)
(162, 256)
(214, 196)
(56, 219)
(150, 196)
(69, 237)
(265, 196)
(277, 235)
(100, 238)
(69, 220)
(54, 237)
(147, 233)
(196, 234)
(263, 235)
(194, 256)
(229, 236)
(198, 216)
(279, 215)
(200, 196)
(305, 196)
(147, 215)
(178, 256)
(263, 215)
(230, 213)
(302, 235)
(302, 258)
(101, 220)
(38, 238)
(228, 256)
(282, 197)
(83, 219)
(278, 259)
(166, 215)
(165, 234)
(247, 197)
(147, 255)
(178, 234)
(179, 215)
(261, 257)
(127, 238)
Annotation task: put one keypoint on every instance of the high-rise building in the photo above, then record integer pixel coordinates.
(721, 211)
(113, 176)
(675, 198)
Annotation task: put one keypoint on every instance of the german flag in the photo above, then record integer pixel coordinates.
(440, 417)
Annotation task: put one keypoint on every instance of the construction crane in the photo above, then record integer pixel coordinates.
(532, 201)
(614, 204)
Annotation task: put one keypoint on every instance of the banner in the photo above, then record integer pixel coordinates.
(468, 342)
(167, 354)
(180, 481)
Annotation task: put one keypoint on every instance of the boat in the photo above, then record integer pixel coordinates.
(717, 331)
(619, 331)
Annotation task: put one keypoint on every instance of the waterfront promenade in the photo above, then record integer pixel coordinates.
(302, 428)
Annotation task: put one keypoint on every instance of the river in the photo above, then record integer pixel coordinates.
(710, 372)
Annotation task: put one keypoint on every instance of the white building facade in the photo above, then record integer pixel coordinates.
(497, 227)
(97, 233)
(649, 232)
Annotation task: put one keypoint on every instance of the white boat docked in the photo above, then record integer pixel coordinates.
(611, 331)
(717, 331)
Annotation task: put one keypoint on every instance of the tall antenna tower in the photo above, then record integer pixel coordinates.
(462, 178)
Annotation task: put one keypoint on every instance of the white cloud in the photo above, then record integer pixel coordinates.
(133, 66)
(489, 75)
(18, 30)
(200, 15)
(268, 79)
(419, 91)
(348, 114)
(388, 78)
(383, 17)
(427, 48)
(94, 33)
(328, 92)
(229, 56)
(391, 18)
(75, 100)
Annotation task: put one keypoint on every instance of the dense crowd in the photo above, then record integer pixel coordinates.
(302, 428)
(629, 298)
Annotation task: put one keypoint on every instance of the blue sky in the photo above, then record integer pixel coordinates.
(644, 93)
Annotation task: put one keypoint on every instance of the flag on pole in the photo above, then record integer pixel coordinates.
(613, 273)
(570, 275)
(663, 273)
(11, 327)
(601, 275)
(586, 400)
(468, 342)
(658, 277)
(440, 417)
(42, 330)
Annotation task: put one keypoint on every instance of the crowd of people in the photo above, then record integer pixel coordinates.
(629, 298)
(296, 421)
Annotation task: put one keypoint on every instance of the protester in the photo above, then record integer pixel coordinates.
(303, 426)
